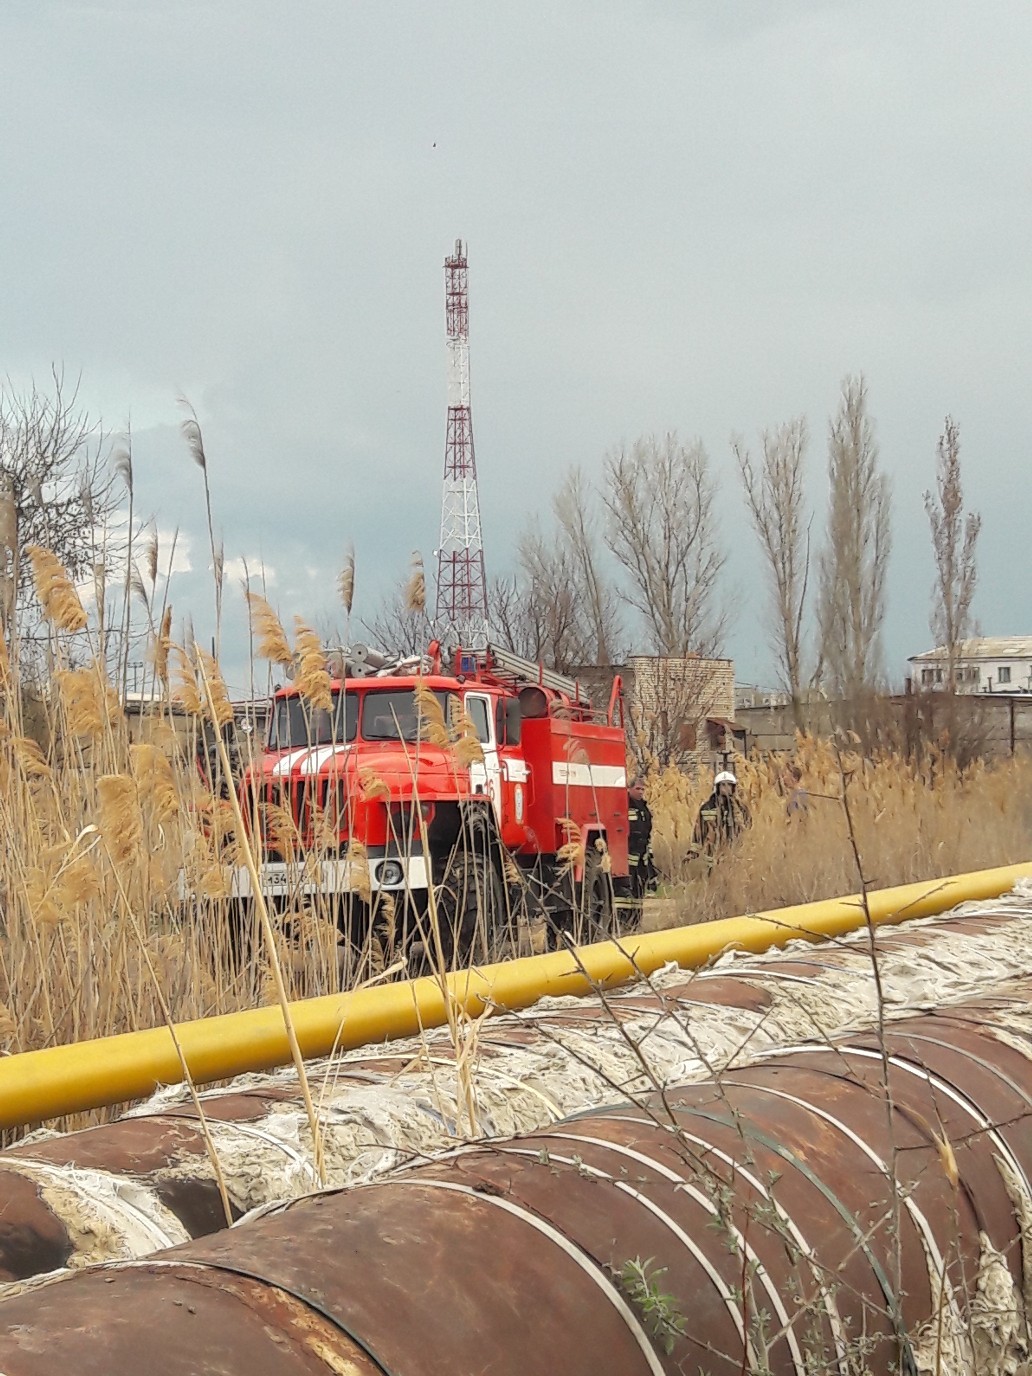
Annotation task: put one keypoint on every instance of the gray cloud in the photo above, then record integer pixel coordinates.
(679, 216)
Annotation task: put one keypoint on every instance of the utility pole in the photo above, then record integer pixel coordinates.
(461, 580)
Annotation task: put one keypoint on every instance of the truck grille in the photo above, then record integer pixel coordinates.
(285, 812)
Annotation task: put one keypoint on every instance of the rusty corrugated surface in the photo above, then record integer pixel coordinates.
(159, 1163)
(857, 1205)
(193, 1320)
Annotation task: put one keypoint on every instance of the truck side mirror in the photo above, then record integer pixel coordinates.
(513, 721)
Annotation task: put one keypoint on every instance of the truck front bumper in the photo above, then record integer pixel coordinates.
(301, 879)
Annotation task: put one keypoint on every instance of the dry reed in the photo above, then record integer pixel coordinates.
(913, 821)
(103, 835)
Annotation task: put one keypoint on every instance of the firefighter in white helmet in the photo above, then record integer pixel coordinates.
(722, 818)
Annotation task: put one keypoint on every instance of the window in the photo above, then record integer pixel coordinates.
(1003, 674)
(390, 716)
(477, 709)
(938, 675)
(295, 723)
(927, 677)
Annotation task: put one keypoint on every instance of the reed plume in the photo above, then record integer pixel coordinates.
(271, 639)
(312, 677)
(357, 869)
(281, 828)
(347, 580)
(150, 555)
(571, 852)
(372, 785)
(62, 881)
(121, 825)
(55, 590)
(28, 755)
(432, 726)
(160, 647)
(221, 706)
(415, 590)
(122, 461)
(466, 747)
(184, 685)
(42, 907)
(89, 702)
(155, 781)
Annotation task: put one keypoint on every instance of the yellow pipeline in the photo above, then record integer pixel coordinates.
(39, 1085)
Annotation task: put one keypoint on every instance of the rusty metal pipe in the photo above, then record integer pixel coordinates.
(128, 1188)
(40, 1085)
(865, 1204)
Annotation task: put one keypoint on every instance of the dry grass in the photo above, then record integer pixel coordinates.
(101, 833)
(95, 937)
(912, 822)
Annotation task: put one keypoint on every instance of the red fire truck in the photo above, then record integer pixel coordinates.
(535, 821)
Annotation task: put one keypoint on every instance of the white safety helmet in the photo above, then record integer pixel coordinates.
(725, 777)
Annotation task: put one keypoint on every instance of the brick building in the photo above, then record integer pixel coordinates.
(679, 710)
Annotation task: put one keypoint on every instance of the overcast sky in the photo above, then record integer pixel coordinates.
(680, 215)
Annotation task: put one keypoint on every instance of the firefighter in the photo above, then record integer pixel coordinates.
(722, 818)
(797, 799)
(639, 841)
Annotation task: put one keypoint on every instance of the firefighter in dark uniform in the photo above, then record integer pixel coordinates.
(639, 842)
(722, 818)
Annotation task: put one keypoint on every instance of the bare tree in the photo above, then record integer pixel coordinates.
(516, 617)
(55, 491)
(777, 507)
(854, 562)
(556, 603)
(576, 511)
(954, 541)
(661, 527)
(400, 625)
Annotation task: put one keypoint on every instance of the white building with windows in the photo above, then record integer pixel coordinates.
(988, 664)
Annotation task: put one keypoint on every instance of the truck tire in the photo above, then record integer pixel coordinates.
(470, 898)
(241, 936)
(596, 900)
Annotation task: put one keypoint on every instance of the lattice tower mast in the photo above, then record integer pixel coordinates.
(461, 581)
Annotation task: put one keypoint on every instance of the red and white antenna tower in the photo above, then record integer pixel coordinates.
(461, 581)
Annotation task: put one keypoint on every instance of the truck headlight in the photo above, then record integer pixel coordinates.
(391, 872)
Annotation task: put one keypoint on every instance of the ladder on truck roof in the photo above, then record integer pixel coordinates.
(527, 671)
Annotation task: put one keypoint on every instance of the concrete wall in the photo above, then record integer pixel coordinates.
(993, 725)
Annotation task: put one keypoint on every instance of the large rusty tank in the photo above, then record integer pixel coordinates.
(862, 1204)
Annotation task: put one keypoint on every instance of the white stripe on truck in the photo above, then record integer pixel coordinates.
(589, 775)
(285, 766)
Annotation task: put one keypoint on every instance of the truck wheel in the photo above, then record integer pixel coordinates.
(470, 898)
(596, 900)
(242, 934)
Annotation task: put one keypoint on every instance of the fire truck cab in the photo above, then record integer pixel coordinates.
(524, 808)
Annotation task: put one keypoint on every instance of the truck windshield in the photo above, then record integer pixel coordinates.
(394, 716)
(295, 723)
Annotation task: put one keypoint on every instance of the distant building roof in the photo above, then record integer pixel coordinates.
(675, 659)
(983, 647)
